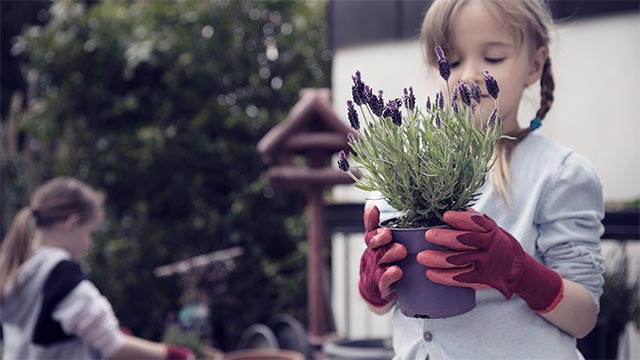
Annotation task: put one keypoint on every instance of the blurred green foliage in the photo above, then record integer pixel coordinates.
(190, 339)
(161, 105)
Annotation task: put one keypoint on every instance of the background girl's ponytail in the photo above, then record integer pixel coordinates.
(52, 203)
(16, 247)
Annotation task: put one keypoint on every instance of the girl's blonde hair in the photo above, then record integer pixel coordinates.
(53, 202)
(531, 23)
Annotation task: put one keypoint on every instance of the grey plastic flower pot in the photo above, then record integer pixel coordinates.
(417, 295)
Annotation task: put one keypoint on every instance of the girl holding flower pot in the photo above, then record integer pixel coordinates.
(530, 245)
(48, 309)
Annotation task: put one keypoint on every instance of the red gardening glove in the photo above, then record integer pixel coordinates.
(175, 352)
(377, 274)
(485, 255)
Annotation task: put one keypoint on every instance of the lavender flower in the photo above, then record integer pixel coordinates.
(465, 92)
(398, 140)
(376, 104)
(409, 99)
(368, 92)
(443, 63)
(493, 117)
(358, 90)
(353, 115)
(343, 164)
(492, 84)
(475, 91)
(440, 100)
(393, 112)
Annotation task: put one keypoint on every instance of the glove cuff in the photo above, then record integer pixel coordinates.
(540, 287)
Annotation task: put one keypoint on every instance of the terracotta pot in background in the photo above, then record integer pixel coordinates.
(264, 354)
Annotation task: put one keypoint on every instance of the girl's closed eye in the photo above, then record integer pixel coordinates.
(494, 60)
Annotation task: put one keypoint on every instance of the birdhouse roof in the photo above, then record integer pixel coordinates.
(310, 124)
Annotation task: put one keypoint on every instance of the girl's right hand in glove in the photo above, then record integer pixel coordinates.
(377, 272)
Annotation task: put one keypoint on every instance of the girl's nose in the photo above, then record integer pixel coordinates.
(471, 72)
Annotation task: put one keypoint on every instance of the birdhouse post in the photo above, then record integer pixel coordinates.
(311, 130)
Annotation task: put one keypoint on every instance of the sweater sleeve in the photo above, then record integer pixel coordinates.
(569, 224)
(89, 316)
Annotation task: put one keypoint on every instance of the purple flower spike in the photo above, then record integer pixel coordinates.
(358, 91)
(493, 117)
(368, 91)
(443, 63)
(455, 107)
(357, 77)
(429, 103)
(440, 100)
(409, 99)
(465, 92)
(393, 112)
(376, 104)
(343, 164)
(475, 91)
(492, 84)
(438, 121)
(353, 115)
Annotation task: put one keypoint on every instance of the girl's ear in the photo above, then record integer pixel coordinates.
(71, 222)
(537, 64)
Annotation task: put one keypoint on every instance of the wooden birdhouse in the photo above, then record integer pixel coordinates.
(299, 152)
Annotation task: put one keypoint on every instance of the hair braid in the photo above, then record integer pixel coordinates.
(547, 86)
(501, 177)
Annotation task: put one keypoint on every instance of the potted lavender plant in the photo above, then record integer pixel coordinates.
(423, 162)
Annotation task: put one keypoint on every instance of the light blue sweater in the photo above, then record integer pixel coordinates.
(555, 212)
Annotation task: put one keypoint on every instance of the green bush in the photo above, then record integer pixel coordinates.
(161, 104)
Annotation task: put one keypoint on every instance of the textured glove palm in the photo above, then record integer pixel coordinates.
(485, 255)
(377, 273)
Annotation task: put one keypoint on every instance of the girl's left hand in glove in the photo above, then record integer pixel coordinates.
(485, 255)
